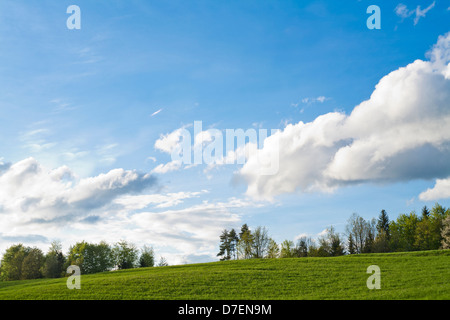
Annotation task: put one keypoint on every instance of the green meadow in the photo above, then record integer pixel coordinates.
(411, 275)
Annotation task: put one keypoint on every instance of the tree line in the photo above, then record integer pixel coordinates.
(20, 262)
(429, 230)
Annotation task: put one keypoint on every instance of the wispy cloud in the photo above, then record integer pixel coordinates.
(156, 112)
(403, 12)
(320, 99)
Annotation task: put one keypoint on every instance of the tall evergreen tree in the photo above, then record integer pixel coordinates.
(233, 240)
(425, 212)
(147, 258)
(224, 249)
(351, 245)
(301, 249)
(245, 242)
(383, 223)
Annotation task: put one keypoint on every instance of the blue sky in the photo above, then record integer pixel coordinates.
(81, 112)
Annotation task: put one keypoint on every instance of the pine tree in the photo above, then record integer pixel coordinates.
(224, 249)
(233, 241)
(425, 213)
(383, 223)
(351, 245)
(246, 242)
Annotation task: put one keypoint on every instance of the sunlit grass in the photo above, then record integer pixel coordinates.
(412, 275)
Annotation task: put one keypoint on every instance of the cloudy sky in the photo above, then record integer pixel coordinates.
(90, 118)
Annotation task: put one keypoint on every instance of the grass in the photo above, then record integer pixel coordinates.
(412, 275)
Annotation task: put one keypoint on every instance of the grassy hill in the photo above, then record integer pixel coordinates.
(412, 275)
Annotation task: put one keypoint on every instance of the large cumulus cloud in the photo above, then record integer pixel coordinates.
(401, 133)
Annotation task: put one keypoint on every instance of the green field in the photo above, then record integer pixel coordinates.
(412, 275)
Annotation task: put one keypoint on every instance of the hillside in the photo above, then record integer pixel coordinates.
(412, 275)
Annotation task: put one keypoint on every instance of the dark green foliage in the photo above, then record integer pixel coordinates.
(245, 243)
(20, 262)
(54, 262)
(12, 262)
(90, 257)
(301, 249)
(97, 258)
(147, 258)
(383, 223)
(425, 212)
(225, 246)
(32, 264)
(125, 255)
(233, 240)
(351, 245)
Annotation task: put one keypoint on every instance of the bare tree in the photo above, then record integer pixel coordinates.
(361, 232)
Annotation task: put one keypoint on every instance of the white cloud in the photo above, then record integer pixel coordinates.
(155, 113)
(402, 11)
(301, 236)
(31, 193)
(135, 202)
(38, 205)
(320, 99)
(167, 167)
(169, 142)
(441, 190)
(401, 133)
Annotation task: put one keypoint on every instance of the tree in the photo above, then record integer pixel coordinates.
(162, 262)
(330, 244)
(381, 243)
(97, 258)
(147, 258)
(273, 250)
(362, 233)
(31, 264)
(225, 248)
(425, 212)
(54, 261)
(336, 246)
(351, 245)
(383, 223)
(301, 249)
(125, 255)
(245, 243)
(233, 241)
(437, 215)
(423, 239)
(403, 232)
(91, 257)
(12, 262)
(370, 236)
(75, 256)
(260, 242)
(313, 249)
(287, 249)
(445, 234)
